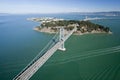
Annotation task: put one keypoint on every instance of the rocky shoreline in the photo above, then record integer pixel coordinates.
(50, 31)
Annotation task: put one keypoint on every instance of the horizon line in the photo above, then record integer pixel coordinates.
(58, 12)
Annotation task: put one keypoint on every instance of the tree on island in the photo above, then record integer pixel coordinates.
(84, 26)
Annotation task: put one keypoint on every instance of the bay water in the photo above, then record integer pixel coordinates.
(87, 57)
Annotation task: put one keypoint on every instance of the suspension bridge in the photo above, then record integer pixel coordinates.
(56, 43)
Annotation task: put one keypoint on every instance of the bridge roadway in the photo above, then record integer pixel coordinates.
(31, 69)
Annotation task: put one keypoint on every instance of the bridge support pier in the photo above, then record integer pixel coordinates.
(61, 39)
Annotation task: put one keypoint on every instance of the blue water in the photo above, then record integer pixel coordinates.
(19, 44)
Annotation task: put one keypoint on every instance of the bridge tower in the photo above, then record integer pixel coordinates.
(61, 38)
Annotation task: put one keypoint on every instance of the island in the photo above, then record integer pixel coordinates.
(52, 25)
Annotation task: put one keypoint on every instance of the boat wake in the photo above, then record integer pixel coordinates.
(88, 54)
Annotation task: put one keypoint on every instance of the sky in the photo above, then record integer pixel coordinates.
(58, 6)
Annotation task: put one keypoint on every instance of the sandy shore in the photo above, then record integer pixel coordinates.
(48, 30)
(45, 30)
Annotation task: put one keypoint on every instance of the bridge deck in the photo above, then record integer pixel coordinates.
(31, 69)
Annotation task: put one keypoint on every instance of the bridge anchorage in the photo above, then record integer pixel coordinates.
(56, 43)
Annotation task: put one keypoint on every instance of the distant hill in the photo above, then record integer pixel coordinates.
(4, 14)
(110, 13)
